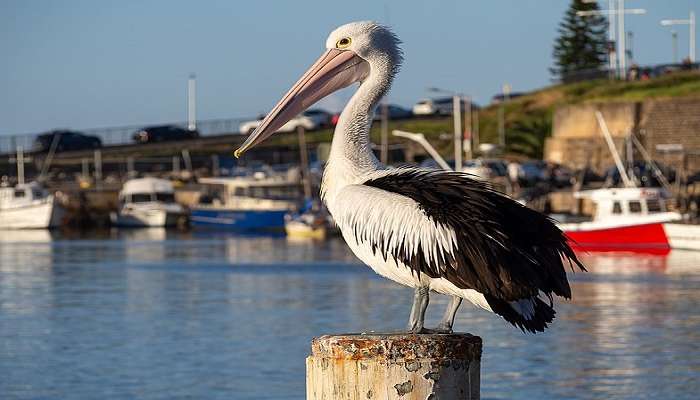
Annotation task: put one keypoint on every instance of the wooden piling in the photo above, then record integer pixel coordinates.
(394, 366)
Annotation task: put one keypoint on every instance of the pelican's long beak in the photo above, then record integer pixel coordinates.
(334, 70)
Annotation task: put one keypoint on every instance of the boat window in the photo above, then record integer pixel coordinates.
(140, 197)
(255, 192)
(617, 209)
(239, 191)
(282, 192)
(165, 197)
(635, 207)
(653, 205)
(19, 193)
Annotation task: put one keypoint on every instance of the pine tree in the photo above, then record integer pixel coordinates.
(582, 42)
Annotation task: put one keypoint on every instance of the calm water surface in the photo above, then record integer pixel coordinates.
(146, 314)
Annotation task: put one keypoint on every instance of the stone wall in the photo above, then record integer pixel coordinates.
(674, 122)
(577, 140)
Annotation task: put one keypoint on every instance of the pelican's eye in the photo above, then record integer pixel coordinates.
(343, 43)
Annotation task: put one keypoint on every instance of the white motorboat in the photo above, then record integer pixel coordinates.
(29, 206)
(147, 202)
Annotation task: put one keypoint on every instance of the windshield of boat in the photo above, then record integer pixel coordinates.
(165, 197)
(280, 192)
(141, 197)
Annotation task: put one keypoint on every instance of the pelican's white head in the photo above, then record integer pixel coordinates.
(355, 51)
(372, 42)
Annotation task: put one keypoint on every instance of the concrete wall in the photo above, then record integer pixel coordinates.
(577, 140)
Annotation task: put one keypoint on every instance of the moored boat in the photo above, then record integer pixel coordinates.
(634, 219)
(147, 202)
(247, 203)
(309, 224)
(29, 206)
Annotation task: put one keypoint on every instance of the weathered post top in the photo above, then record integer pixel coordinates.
(394, 366)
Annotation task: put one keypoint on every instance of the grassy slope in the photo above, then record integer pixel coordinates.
(529, 118)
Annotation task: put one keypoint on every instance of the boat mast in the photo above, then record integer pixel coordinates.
(616, 156)
(20, 165)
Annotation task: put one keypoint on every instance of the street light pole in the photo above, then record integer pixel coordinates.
(467, 137)
(457, 118)
(621, 37)
(384, 152)
(691, 30)
(502, 117)
(674, 39)
(456, 113)
(191, 103)
(620, 15)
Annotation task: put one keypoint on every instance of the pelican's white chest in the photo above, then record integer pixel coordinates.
(389, 268)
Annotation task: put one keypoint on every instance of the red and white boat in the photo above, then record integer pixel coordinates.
(631, 219)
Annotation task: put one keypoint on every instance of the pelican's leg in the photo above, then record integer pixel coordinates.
(448, 319)
(421, 297)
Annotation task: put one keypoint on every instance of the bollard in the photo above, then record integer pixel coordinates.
(400, 366)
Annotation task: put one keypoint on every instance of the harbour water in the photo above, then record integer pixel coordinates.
(150, 314)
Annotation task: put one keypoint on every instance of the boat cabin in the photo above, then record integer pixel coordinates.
(22, 195)
(251, 192)
(147, 190)
(629, 203)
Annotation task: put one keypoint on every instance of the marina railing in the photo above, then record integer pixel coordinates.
(121, 135)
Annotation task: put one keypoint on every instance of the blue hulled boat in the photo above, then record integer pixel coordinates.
(249, 203)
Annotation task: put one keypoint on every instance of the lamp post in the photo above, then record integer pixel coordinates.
(674, 45)
(191, 103)
(691, 30)
(619, 12)
(457, 115)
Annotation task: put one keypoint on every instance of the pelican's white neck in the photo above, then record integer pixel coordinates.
(351, 155)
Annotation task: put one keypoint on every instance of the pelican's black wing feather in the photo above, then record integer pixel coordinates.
(504, 250)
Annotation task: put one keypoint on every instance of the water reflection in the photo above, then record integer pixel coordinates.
(153, 313)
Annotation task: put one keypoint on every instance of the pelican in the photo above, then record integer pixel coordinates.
(433, 230)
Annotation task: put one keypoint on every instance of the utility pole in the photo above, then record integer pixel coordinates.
(457, 119)
(191, 103)
(304, 162)
(502, 117)
(674, 45)
(630, 46)
(621, 37)
(691, 30)
(384, 153)
(456, 113)
(467, 138)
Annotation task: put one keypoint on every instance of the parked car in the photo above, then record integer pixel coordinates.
(532, 172)
(394, 111)
(440, 106)
(322, 118)
(163, 133)
(484, 169)
(308, 123)
(66, 141)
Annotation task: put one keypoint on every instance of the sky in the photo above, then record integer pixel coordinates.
(95, 63)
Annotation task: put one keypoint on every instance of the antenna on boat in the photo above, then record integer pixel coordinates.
(657, 171)
(613, 150)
